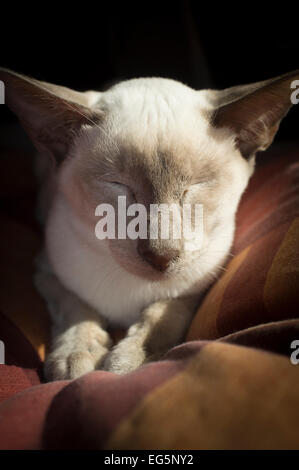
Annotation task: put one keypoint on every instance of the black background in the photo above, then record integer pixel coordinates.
(204, 45)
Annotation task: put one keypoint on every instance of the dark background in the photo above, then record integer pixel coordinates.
(203, 45)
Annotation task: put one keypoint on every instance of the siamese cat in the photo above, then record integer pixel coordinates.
(152, 141)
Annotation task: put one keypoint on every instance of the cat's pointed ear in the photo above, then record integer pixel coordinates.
(253, 112)
(50, 114)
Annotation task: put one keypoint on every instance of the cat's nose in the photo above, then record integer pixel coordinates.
(156, 260)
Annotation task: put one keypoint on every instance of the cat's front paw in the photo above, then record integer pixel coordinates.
(125, 357)
(71, 364)
(67, 367)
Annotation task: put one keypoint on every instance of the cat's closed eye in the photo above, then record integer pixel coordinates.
(195, 187)
(117, 185)
(113, 184)
(118, 188)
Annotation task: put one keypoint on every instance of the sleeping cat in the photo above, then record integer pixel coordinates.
(152, 141)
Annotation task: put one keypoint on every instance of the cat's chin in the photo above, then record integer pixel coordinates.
(155, 276)
(149, 273)
(145, 271)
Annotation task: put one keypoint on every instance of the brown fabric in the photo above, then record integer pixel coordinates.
(227, 398)
(22, 417)
(261, 281)
(22, 367)
(215, 396)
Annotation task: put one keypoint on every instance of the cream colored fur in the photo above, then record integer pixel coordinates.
(161, 141)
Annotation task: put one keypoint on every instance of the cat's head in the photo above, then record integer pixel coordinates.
(154, 141)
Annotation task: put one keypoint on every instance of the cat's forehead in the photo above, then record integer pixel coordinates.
(154, 120)
(145, 91)
(152, 105)
(156, 130)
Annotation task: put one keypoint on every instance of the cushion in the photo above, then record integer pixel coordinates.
(203, 395)
(260, 282)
